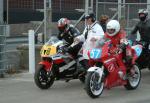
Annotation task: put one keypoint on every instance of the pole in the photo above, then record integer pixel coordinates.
(1, 11)
(119, 9)
(45, 21)
(33, 4)
(7, 12)
(50, 4)
(92, 5)
(86, 8)
(49, 18)
(97, 9)
(31, 35)
(128, 15)
(148, 7)
(123, 8)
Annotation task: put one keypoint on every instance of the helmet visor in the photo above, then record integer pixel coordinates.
(110, 31)
(141, 15)
(61, 28)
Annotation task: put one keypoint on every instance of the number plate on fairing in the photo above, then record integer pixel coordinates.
(48, 50)
(138, 49)
(95, 53)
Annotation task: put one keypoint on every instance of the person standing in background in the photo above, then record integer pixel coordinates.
(103, 21)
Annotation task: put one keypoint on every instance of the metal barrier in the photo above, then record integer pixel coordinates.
(129, 12)
(2, 48)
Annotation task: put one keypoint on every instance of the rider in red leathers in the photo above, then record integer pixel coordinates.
(119, 42)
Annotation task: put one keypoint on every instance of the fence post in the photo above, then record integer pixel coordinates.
(2, 50)
(1, 11)
(31, 38)
(45, 21)
(86, 7)
(119, 9)
(148, 7)
(97, 10)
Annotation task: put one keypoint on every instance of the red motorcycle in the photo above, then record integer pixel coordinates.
(109, 70)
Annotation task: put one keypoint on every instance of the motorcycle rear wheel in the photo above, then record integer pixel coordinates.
(133, 80)
(93, 86)
(42, 79)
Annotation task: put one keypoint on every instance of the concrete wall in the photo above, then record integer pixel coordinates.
(23, 57)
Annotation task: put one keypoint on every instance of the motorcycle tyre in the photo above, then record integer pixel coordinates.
(88, 88)
(38, 82)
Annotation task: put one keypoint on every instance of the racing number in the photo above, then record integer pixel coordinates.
(48, 51)
(95, 53)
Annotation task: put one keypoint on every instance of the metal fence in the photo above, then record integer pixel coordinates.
(64, 8)
(2, 48)
(129, 12)
(22, 11)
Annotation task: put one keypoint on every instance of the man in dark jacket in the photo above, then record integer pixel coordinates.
(143, 26)
(68, 32)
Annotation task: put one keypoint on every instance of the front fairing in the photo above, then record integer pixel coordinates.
(100, 52)
(50, 48)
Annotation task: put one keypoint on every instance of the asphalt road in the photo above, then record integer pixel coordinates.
(20, 88)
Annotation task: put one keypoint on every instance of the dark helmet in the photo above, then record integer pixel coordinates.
(143, 13)
(62, 23)
(90, 15)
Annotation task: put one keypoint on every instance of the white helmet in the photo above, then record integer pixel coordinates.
(112, 27)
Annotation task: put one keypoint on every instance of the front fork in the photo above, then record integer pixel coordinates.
(98, 70)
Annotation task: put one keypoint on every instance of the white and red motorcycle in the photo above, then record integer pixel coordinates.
(56, 64)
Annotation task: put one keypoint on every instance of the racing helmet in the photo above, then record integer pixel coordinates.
(143, 13)
(62, 24)
(112, 27)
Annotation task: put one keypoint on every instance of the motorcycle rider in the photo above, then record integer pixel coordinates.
(68, 32)
(118, 40)
(143, 26)
(92, 33)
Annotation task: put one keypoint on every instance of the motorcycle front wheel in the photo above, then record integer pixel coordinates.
(42, 78)
(133, 79)
(94, 85)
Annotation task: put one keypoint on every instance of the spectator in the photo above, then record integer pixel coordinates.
(103, 21)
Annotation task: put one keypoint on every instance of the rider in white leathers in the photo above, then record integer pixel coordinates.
(92, 33)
